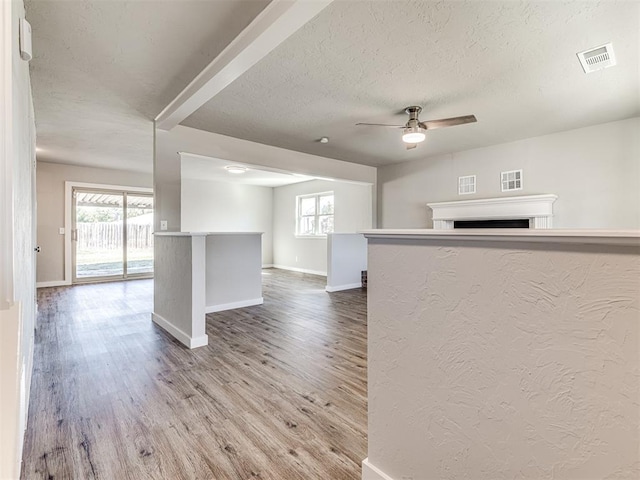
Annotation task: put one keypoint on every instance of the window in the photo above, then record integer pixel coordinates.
(315, 214)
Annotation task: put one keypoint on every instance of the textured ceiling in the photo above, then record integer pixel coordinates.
(512, 64)
(102, 70)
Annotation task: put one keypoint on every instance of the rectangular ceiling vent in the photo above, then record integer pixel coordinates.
(597, 58)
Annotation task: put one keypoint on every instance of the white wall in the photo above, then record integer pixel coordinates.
(353, 212)
(496, 360)
(210, 206)
(166, 166)
(595, 171)
(346, 260)
(17, 288)
(234, 271)
(51, 208)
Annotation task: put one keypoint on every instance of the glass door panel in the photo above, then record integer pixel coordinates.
(139, 234)
(98, 235)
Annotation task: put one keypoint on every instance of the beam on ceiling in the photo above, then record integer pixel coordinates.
(277, 22)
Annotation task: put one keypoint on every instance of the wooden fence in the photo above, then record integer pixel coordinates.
(105, 235)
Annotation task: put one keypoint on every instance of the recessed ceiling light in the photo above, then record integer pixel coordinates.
(235, 169)
(324, 140)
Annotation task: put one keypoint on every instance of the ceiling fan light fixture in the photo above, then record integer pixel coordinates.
(414, 131)
(413, 134)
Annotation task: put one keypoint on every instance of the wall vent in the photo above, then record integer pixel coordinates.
(466, 185)
(511, 180)
(597, 58)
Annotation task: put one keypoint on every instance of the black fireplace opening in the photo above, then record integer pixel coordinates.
(509, 223)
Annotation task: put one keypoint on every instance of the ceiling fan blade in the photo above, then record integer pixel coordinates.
(380, 125)
(448, 122)
(411, 146)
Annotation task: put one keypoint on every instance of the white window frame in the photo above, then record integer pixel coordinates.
(68, 223)
(317, 197)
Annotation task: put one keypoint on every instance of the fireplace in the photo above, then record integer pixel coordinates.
(508, 223)
(530, 211)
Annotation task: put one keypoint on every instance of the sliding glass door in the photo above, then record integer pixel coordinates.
(139, 234)
(112, 235)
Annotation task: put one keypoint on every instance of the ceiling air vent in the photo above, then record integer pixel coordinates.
(597, 58)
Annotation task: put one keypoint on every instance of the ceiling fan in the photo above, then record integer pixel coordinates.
(413, 130)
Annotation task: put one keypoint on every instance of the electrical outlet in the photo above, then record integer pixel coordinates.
(163, 224)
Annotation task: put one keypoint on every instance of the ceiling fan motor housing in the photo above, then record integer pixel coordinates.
(413, 132)
(413, 111)
(414, 121)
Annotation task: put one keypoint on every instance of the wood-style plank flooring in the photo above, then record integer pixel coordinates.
(279, 393)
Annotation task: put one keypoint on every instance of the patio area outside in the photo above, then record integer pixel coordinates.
(108, 262)
(107, 226)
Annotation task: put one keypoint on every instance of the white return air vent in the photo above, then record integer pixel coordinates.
(466, 185)
(597, 58)
(511, 180)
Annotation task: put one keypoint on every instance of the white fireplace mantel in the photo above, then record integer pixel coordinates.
(537, 208)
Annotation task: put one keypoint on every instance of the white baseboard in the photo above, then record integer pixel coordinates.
(186, 340)
(338, 288)
(200, 341)
(370, 472)
(53, 283)
(301, 270)
(267, 265)
(230, 306)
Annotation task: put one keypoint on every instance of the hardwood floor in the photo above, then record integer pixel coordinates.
(279, 393)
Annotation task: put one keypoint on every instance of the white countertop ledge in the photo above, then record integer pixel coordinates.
(604, 237)
(202, 234)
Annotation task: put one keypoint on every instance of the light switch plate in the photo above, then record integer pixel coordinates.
(61, 230)
(163, 224)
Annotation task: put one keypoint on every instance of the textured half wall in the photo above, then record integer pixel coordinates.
(179, 287)
(234, 271)
(346, 259)
(503, 360)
